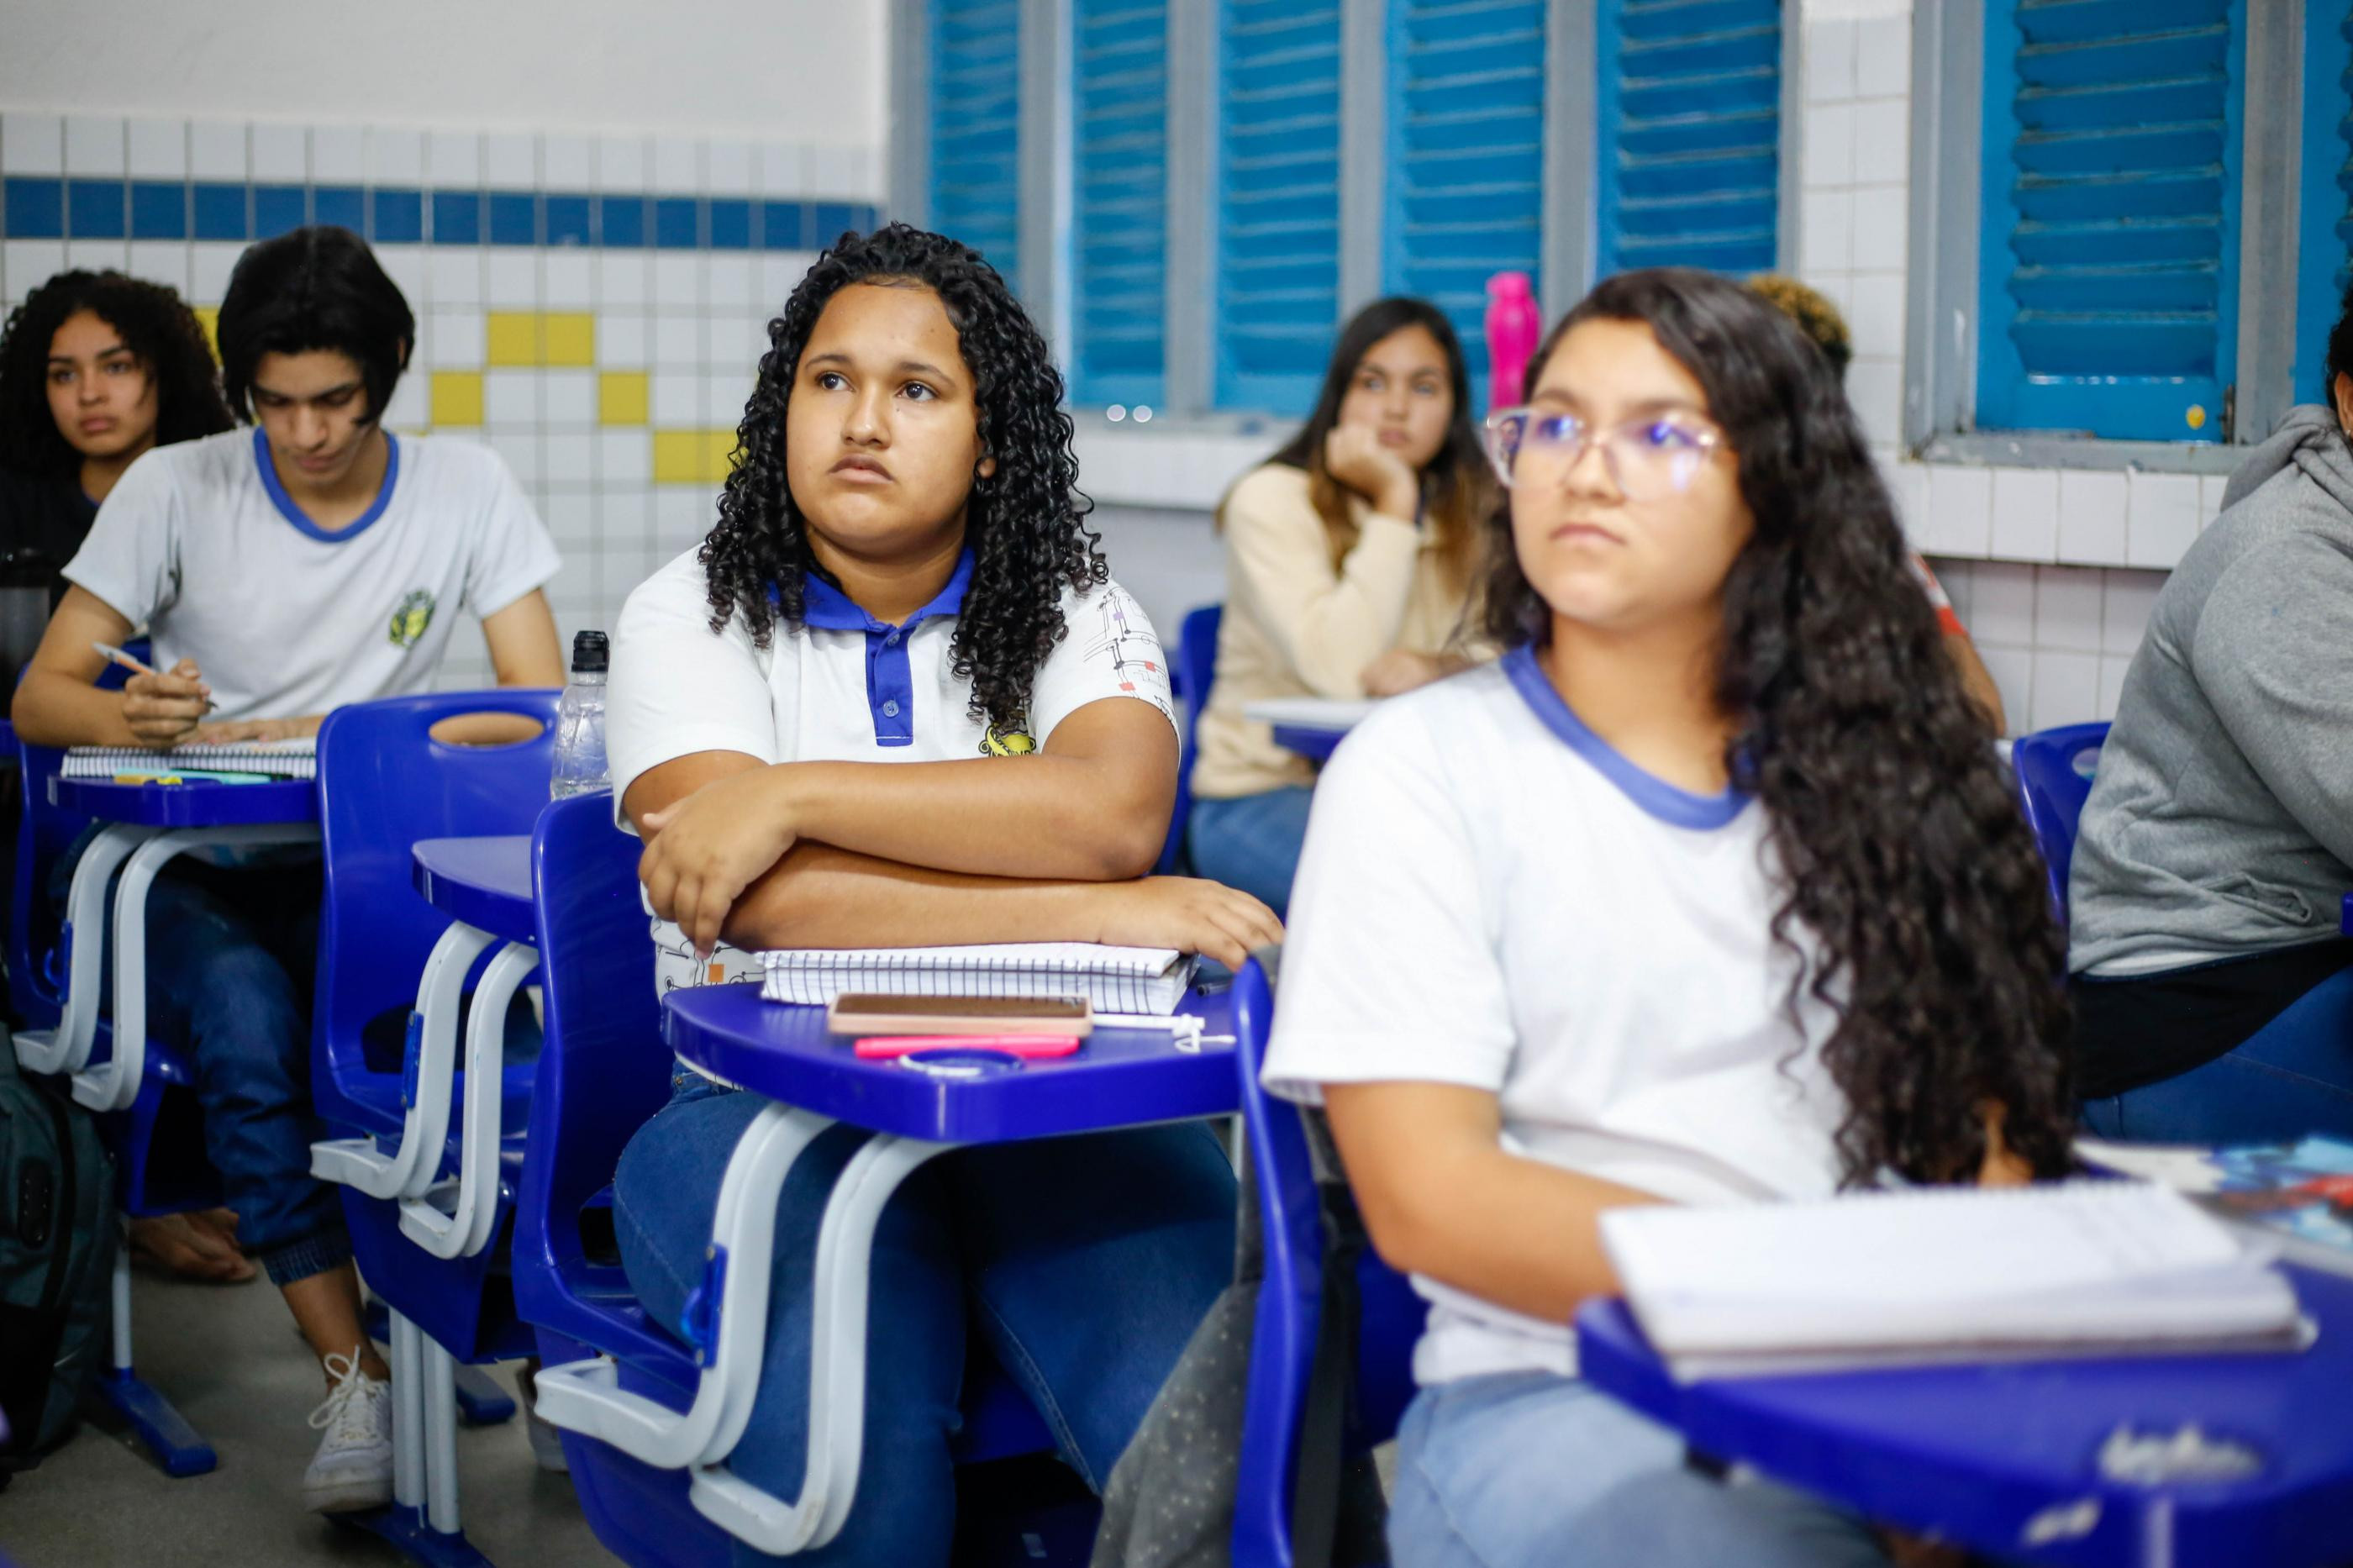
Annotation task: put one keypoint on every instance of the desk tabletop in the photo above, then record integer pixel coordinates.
(1990, 1454)
(484, 881)
(1117, 1077)
(199, 803)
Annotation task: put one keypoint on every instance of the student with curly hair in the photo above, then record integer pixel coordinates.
(95, 368)
(1710, 890)
(894, 699)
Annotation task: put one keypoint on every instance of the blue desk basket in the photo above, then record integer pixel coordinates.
(1195, 671)
(2054, 768)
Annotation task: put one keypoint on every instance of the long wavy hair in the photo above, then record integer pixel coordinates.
(157, 327)
(1900, 847)
(1458, 490)
(1025, 524)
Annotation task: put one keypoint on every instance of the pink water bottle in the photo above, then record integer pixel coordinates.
(1513, 329)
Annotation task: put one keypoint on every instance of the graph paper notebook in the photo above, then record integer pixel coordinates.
(296, 759)
(1115, 979)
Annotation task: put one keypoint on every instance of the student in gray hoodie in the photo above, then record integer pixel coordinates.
(2213, 992)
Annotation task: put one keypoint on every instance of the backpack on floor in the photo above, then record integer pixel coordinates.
(58, 1238)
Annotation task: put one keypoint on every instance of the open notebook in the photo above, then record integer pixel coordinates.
(296, 759)
(1944, 1274)
(1116, 979)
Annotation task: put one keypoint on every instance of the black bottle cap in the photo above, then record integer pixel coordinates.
(590, 653)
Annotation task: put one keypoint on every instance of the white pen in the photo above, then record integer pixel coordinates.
(130, 661)
(1175, 1023)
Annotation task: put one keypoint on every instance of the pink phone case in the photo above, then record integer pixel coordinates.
(881, 1048)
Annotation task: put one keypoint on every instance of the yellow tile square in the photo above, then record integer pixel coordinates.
(512, 338)
(456, 397)
(720, 446)
(208, 318)
(567, 338)
(678, 456)
(623, 397)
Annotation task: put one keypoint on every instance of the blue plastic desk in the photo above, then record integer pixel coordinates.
(486, 881)
(1988, 1455)
(1313, 742)
(200, 804)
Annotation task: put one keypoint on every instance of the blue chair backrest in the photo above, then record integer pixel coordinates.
(1195, 670)
(603, 1073)
(2053, 768)
(384, 784)
(1282, 1350)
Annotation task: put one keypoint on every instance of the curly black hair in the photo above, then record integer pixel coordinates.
(1025, 524)
(1900, 848)
(156, 325)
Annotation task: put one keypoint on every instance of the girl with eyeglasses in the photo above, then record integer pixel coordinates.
(1709, 890)
(1350, 555)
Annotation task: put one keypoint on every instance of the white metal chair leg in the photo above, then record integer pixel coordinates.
(439, 1391)
(466, 1229)
(66, 1048)
(407, 1413)
(407, 1171)
(587, 1396)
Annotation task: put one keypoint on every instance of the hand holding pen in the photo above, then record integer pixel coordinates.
(162, 708)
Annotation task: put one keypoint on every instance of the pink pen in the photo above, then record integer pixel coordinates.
(881, 1048)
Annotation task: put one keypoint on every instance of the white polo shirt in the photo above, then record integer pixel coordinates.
(1491, 896)
(837, 687)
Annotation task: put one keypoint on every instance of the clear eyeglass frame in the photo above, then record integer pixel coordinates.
(1640, 470)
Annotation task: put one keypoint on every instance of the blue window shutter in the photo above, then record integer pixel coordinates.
(2108, 280)
(1277, 299)
(1688, 134)
(1466, 99)
(2325, 204)
(1120, 159)
(975, 107)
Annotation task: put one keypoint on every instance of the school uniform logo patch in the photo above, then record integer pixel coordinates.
(1006, 743)
(409, 621)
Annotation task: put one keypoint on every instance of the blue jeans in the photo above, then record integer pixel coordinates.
(1251, 842)
(1084, 1263)
(1532, 1470)
(2291, 1077)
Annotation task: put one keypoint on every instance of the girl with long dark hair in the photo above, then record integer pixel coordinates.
(1710, 890)
(895, 699)
(1350, 557)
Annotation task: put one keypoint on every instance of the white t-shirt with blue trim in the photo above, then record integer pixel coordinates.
(201, 543)
(838, 687)
(1491, 896)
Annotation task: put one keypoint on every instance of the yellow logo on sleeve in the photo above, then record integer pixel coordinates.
(1007, 743)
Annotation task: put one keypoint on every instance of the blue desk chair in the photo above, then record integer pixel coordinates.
(1195, 670)
(602, 1075)
(1301, 1419)
(384, 784)
(2055, 778)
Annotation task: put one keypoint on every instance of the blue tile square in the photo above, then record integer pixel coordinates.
(158, 210)
(395, 217)
(571, 220)
(832, 218)
(678, 223)
(34, 209)
(220, 212)
(731, 224)
(346, 206)
(96, 209)
(784, 226)
(621, 221)
(456, 217)
(514, 218)
(277, 209)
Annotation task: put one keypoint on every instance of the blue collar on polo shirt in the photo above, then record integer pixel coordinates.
(300, 518)
(890, 686)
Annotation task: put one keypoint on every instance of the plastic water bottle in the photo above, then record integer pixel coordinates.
(580, 767)
(1513, 329)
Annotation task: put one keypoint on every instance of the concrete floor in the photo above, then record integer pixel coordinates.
(226, 1355)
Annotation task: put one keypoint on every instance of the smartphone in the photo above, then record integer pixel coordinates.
(863, 1013)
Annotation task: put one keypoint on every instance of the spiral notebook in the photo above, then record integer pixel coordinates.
(295, 759)
(1945, 1274)
(1115, 979)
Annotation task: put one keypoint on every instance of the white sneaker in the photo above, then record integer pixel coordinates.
(353, 1468)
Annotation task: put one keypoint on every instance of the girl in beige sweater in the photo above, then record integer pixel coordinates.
(1349, 559)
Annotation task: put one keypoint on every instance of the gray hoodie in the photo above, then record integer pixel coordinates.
(2220, 820)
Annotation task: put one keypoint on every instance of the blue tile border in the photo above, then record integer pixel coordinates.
(38, 207)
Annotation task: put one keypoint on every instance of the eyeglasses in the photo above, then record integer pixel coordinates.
(1648, 459)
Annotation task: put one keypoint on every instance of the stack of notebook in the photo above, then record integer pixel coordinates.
(1115, 979)
(296, 759)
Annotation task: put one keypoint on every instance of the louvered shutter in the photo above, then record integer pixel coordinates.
(1277, 292)
(2109, 274)
(976, 130)
(2325, 244)
(1688, 134)
(1120, 157)
(1466, 155)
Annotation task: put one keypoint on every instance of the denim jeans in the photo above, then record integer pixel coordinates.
(1533, 1470)
(2290, 1077)
(1084, 1263)
(1251, 842)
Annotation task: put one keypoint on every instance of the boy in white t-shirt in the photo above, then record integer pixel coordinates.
(1710, 891)
(313, 560)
